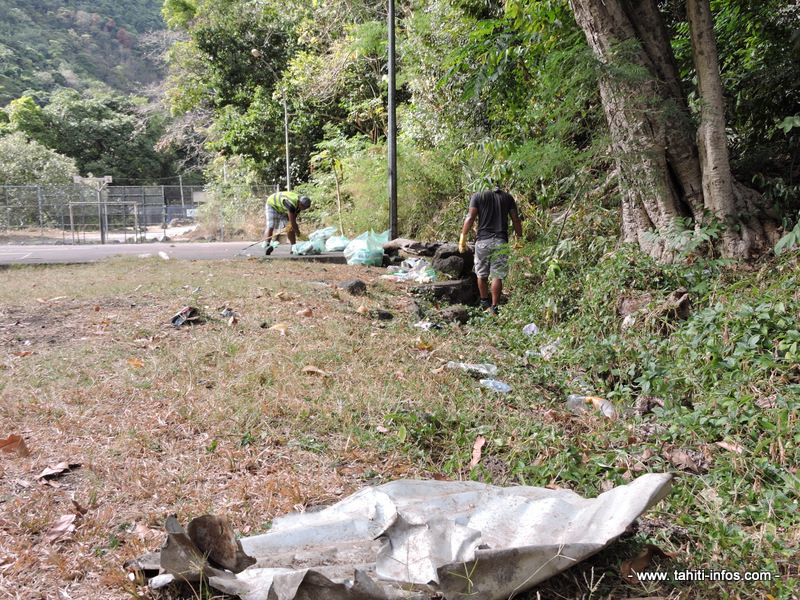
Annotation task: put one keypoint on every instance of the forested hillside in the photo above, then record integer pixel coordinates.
(76, 44)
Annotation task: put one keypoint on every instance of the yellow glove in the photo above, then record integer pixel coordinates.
(462, 243)
(287, 230)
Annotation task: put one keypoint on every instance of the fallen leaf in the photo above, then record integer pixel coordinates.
(683, 461)
(476, 450)
(424, 346)
(58, 469)
(232, 321)
(630, 569)
(63, 526)
(731, 447)
(135, 362)
(305, 312)
(282, 296)
(312, 370)
(362, 309)
(382, 429)
(142, 531)
(282, 327)
(23, 353)
(79, 510)
(439, 370)
(96, 309)
(14, 444)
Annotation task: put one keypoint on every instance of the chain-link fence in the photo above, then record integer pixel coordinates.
(73, 214)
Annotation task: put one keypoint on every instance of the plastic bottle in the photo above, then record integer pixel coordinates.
(495, 386)
(476, 370)
(579, 404)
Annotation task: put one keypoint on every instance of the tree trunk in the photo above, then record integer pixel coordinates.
(661, 169)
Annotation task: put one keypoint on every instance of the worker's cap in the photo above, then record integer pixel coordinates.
(305, 201)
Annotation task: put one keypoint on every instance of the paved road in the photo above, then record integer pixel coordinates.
(42, 254)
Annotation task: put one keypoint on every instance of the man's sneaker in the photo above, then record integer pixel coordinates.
(494, 309)
(268, 251)
(486, 303)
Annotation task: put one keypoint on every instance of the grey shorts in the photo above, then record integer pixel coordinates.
(275, 219)
(488, 261)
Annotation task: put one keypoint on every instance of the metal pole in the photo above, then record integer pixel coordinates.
(101, 214)
(392, 167)
(41, 219)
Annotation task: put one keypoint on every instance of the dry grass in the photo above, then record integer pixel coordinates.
(213, 418)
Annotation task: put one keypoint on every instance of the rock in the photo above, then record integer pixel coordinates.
(454, 314)
(451, 267)
(458, 291)
(355, 287)
(383, 315)
(446, 255)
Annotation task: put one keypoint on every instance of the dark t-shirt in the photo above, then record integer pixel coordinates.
(493, 208)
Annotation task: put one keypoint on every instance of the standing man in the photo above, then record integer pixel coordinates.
(282, 209)
(492, 209)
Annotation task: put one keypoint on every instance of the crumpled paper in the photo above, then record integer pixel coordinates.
(412, 539)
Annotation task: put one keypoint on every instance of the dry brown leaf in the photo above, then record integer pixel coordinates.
(14, 444)
(23, 353)
(731, 447)
(63, 526)
(282, 296)
(135, 362)
(312, 370)
(362, 309)
(232, 321)
(424, 346)
(142, 531)
(305, 312)
(630, 569)
(79, 510)
(282, 327)
(439, 370)
(476, 450)
(55, 470)
(683, 461)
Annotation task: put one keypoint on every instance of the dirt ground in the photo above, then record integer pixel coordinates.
(125, 418)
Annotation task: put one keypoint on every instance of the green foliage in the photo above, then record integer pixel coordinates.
(24, 162)
(76, 44)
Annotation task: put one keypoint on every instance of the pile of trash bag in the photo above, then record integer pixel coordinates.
(366, 249)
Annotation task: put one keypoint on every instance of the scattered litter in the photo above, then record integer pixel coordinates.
(163, 255)
(579, 404)
(412, 269)
(476, 370)
(547, 351)
(227, 312)
(530, 329)
(495, 386)
(188, 315)
(447, 538)
(427, 326)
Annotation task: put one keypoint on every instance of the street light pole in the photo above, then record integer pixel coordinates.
(392, 133)
(257, 53)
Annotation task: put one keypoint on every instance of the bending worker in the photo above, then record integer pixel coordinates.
(492, 209)
(282, 209)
